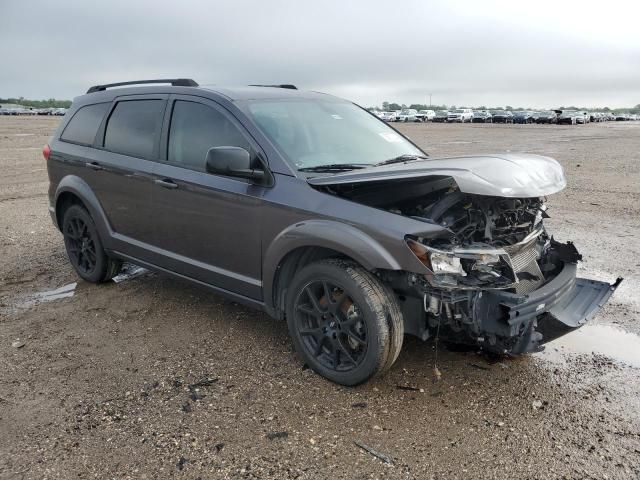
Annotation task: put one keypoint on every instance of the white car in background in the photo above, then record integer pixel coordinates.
(386, 116)
(426, 115)
(408, 115)
(461, 115)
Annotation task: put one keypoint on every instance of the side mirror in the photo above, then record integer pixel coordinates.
(232, 162)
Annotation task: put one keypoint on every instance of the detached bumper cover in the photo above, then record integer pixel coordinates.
(563, 304)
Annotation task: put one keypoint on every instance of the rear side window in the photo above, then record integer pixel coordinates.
(195, 128)
(133, 127)
(83, 126)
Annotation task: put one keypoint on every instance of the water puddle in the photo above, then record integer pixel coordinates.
(33, 299)
(50, 295)
(607, 340)
(129, 271)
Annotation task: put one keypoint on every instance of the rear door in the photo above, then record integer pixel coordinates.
(127, 150)
(208, 226)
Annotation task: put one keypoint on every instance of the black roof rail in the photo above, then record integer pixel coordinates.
(176, 82)
(284, 85)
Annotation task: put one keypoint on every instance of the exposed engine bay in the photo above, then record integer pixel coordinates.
(491, 242)
(485, 272)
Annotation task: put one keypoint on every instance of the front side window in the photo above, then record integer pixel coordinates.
(315, 132)
(195, 128)
(133, 127)
(82, 128)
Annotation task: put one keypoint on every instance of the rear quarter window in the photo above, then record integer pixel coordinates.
(83, 126)
(133, 127)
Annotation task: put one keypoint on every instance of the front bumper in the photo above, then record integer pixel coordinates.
(516, 323)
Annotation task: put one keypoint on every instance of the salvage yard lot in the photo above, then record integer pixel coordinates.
(154, 378)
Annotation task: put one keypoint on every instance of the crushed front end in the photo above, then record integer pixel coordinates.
(489, 275)
(499, 281)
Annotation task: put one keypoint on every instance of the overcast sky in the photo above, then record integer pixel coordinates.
(539, 53)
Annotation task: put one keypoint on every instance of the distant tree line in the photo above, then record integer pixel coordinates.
(50, 103)
(391, 106)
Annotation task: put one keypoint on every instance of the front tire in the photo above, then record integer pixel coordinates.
(84, 247)
(345, 324)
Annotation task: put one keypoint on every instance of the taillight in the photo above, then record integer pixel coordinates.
(46, 151)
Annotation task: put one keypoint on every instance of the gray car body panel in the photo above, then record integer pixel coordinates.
(232, 236)
(238, 250)
(514, 175)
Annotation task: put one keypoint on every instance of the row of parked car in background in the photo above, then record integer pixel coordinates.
(32, 111)
(468, 115)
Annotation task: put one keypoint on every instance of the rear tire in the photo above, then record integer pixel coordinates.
(344, 323)
(84, 247)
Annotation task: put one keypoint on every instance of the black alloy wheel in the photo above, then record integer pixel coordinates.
(331, 326)
(344, 322)
(81, 247)
(84, 246)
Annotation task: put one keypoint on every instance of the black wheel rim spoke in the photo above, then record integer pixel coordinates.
(344, 351)
(306, 309)
(313, 300)
(331, 326)
(318, 350)
(80, 243)
(356, 338)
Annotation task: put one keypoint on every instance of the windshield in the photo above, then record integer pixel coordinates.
(458, 111)
(312, 132)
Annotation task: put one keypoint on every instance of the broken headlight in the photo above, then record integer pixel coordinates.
(465, 267)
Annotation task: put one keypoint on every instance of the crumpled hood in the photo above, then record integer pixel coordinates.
(503, 175)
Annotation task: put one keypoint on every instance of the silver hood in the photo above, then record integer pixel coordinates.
(503, 175)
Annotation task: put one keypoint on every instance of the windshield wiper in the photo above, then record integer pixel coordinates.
(334, 167)
(401, 158)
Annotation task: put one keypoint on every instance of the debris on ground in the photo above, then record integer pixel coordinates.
(18, 344)
(375, 453)
(274, 435)
(207, 382)
(409, 388)
(194, 388)
(129, 272)
(181, 463)
(539, 404)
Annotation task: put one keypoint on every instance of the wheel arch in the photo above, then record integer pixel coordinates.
(74, 190)
(313, 240)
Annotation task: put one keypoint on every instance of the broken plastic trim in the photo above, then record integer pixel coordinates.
(446, 264)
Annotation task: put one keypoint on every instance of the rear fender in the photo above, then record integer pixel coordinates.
(78, 187)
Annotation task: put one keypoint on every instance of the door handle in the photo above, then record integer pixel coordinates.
(94, 166)
(166, 183)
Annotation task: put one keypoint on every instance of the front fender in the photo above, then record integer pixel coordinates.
(337, 236)
(78, 187)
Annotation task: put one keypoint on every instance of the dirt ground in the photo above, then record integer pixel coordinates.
(153, 378)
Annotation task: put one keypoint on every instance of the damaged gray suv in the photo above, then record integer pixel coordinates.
(309, 208)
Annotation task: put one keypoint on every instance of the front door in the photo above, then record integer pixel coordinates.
(207, 226)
